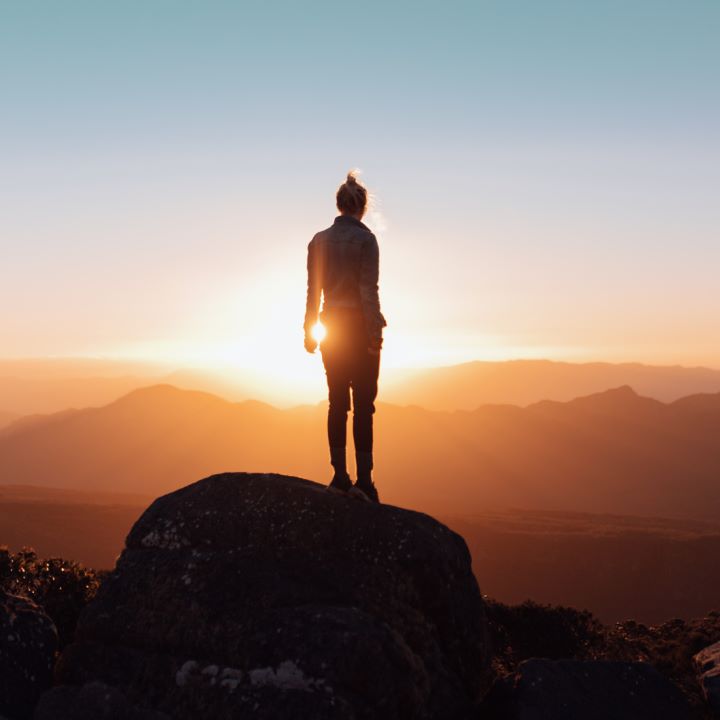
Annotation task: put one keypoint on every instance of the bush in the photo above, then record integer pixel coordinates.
(669, 647)
(520, 632)
(61, 587)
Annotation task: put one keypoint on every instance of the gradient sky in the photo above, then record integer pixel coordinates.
(546, 175)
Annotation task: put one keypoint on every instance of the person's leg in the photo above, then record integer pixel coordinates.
(338, 379)
(365, 387)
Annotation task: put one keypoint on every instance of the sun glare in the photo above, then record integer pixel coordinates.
(318, 332)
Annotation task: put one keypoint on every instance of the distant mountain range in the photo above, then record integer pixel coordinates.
(50, 384)
(522, 382)
(611, 452)
(43, 385)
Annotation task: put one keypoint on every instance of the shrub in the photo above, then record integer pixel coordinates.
(60, 586)
(520, 632)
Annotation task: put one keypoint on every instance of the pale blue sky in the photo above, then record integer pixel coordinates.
(546, 173)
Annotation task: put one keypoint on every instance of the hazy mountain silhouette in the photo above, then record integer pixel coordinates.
(42, 385)
(45, 385)
(25, 422)
(521, 382)
(7, 417)
(611, 452)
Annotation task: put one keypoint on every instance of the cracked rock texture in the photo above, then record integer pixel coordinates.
(265, 596)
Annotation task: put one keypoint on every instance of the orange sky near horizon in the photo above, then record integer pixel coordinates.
(247, 321)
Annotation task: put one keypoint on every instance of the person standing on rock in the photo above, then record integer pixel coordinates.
(343, 267)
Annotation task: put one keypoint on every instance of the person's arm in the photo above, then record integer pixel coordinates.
(314, 289)
(369, 295)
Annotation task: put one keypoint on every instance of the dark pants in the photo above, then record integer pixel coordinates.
(349, 365)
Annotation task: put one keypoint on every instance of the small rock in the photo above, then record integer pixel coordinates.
(707, 662)
(182, 676)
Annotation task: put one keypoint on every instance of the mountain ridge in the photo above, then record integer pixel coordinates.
(42, 385)
(609, 452)
(524, 382)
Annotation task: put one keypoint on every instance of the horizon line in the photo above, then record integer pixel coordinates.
(149, 360)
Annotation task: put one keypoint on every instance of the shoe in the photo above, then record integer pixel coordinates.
(364, 487)
(340, 483)
(366, 492)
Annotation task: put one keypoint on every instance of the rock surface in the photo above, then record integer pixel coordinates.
(585, 690)
(265, 596)
(28, 642)
(707, 662)
(92, 701)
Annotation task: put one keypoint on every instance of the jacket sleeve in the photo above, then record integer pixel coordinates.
(369, 296)
(314, 285)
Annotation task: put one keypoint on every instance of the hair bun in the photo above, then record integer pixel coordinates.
(351, 196)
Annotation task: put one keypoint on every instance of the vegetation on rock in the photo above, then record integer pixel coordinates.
(61, 587)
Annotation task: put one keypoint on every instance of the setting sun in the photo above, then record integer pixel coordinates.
(318, 332)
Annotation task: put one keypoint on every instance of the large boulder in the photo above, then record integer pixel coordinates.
(91, 701)
(707, 662)
(28, 643)
(266, 596)
(585, 690)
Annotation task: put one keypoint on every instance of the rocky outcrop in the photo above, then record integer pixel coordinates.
(707, 662)
(592, 690)
(92, 701)
(265, 596)
(28, 642)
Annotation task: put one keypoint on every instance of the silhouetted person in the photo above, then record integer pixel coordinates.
(342, 264)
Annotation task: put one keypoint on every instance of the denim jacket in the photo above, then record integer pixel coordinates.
(343, 264)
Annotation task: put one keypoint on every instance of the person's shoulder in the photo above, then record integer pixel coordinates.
(319, 236)
(362, 231)
(369, 236)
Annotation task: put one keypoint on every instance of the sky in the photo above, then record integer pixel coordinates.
(545, 177)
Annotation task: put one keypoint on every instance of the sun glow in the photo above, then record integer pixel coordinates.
(252, 337)
(318, 332)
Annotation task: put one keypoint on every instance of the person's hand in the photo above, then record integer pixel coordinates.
(310, 343)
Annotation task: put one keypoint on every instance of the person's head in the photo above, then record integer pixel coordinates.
(352, 197)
